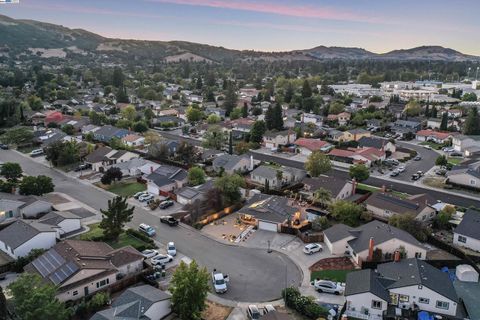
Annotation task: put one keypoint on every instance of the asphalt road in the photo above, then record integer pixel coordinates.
(255, 275)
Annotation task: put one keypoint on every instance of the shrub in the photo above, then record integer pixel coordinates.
(21, 262)
(303, 304)
(141, 236)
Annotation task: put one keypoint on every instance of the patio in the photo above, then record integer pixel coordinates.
(227, 228)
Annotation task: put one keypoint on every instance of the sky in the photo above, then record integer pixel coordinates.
(270, 25)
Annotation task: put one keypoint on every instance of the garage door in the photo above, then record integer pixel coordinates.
(263, 225)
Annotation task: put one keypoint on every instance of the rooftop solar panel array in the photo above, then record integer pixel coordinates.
(63, 272)
(48, 262)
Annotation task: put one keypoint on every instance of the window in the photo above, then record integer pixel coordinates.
(418, 255)
(102, 283)
(74, 293)
(376, 304)
(403, 298)
(423, 300)
(442, 305)
(462, 239)
(473, 182)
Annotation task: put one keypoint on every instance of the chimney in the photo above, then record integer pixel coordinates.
(384, 188)
(251, 162)
(354, 186)
(151, 169)
(396, 256)
(371, 245)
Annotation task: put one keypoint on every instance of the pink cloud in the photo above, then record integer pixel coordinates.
(302, 11)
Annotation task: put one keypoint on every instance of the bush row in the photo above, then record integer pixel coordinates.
(304, 305)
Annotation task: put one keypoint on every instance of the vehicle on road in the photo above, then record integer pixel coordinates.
(417, 158)
(427, 147)
(149, 253)
(252, 312)
(394, 173)
(166, 204)
(401, 169)
(148, 230)
(36, 153)
(145, 197)
(448, 149)
(415, 177)
(139, 194)
(328, 286)
(268, 308)
(82, 167)
(161, 259)
(420, 173)
(171, 221)
(3, 146)
(456, 154)
(219, 282)
(312, 248)
(171, 250)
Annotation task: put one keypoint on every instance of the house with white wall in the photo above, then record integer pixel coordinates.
(166, 179)
(22, 236)
(18, 206)
(407, 284)
(64, 221)
(467, 233)
(231, 163)
(275, 139)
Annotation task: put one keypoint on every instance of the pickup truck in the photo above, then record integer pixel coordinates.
(219, 282)
(171, 221)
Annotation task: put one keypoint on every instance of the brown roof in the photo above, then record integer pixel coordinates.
(125, 255)
(131, 137)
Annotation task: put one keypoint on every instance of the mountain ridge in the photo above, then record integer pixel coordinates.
(25, 34)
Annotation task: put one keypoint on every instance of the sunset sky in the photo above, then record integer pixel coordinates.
(271, 25)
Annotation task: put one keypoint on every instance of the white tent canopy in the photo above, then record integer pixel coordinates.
(466, 273)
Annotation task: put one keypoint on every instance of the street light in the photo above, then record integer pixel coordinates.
(476, 74)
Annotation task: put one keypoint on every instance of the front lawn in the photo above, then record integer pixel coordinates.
(455, 161)
(433, 145)
(125, 188)
(333, 275)
(366, 187)
(125, 239)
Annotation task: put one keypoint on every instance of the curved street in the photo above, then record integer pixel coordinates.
(254, 273)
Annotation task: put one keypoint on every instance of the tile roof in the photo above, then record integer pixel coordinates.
(311, 144)
(437, 134)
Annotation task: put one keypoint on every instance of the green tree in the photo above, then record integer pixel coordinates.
(336, 107)
(122, 96)
(149, 115)
(270, 118)
(196, 176)
(289, 93)
(441, 161)
(469, 96)
(129, 113)
(278, 117)
(214, 138)
(257, 131)
(11, 171)
(317, 163)
(194, 114)
(413, 108)
(408, 223)
(111, 175)
(68, 129)
(306, 89)
(323, 196)
(3, 305)
(359, 172)
(213, 118)
(442, 220)
(35, 299)
(36, 186)
(189, 287)
(17, 136)
(245, 110)
(230, 186)
(346, 212)
(230, 99)
(118, 77)
(472, 123)
(434, 112)
(62, 153)
(35, 103)
(140, 126)
(444, 123)
(115, 217)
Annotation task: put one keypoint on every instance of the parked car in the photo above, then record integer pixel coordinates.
(417, 158)
(252, 312)
(171, 250)
(219, 282)
(165, 204)
(3, 146)
(401, 169)
(148, 230)
(149, 253)
(161, 259)
(328, 286)
(394, 173)
(139, 194)
(448, 149)
(311, 248)
(420, 173)
(427, 147)
(82, 167)
(268, 308)
(171, 221)
(36, 153)
(441, 172)
(456, 154)
(145, 197)
(415, 177)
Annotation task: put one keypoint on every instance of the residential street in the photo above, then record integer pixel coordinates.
(253, 272)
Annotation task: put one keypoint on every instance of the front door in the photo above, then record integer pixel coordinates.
(85, 290)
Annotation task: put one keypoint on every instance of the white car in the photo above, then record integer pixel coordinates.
(145, 197)
(36, 153)
(219, 282)
(328, 286)
(149, 253)
(252, 312)
(401, 169)
(139, 194)
(268, 308)
(161, 259)
(171, 250)
(448, 149)
(311, 248)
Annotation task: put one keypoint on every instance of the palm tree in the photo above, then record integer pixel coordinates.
(322, 196)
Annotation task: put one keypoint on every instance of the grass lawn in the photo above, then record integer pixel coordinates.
(333, 275)
(123, 240)
(455, 161)
(434, 145)
(126, 188)
(366, 187)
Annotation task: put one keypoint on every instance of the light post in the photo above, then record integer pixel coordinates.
(476, 74)
(468, 73)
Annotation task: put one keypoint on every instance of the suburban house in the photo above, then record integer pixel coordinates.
(138, 303)
(276, 177)
(378, 143)
(467, 145)
(467, 233)
(361, 242)
(406, 284)
(275, 139)
(404, 127)
(340, 189)
(343, 118)
(232, 164)
(168, 112)
(384, 205)
(336, 135)
(91, 128)
(133, 140)
(374, 124)
(136, 167)
(347, 157)
(104, 157)
(307, 146)
(20, 237)
(168, 121)
(107, 133)
(466, 176)
(15, 206)
(166, 179)
(312, 118)
(64, 221)
(433, 136)
(355, 134)
(268, 212)
(189, 195)
(80, 268)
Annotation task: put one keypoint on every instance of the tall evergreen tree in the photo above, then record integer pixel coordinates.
(117, 77)
(230, 99)
(115, 217)
(306, 89)
(257, 131)
(472, 124)
(269, 118)
(230, 143)
(245, 110)
(434, 112)
(278, 117)
(444, 123)
(289, 92)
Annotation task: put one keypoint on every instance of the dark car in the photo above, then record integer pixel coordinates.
(83, 167)
(166, 204)
(415, 177)
(169, 220)
(417, 158)
(3, 146)
(394, 173)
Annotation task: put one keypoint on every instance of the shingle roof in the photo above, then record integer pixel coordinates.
(269, 208)
(227, 161)
(21, 231)
(98, 155)
(394, 204)
(55, 217)
(470, 225)
(338, 232)
(373, 142)
(331, 183)
(365, 281)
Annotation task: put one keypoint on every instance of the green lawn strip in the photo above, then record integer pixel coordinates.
(366, 187)
(434, 145)
(333, 275)
(124, 239)
(126, 189)
(455, 161)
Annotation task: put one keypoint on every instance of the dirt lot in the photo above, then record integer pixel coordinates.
(216, 311)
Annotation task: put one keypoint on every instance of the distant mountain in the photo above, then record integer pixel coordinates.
(50, 40)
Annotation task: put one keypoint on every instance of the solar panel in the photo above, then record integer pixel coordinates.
(63, 272)
(48, 262)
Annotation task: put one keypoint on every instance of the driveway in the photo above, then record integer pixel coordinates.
(254, 274)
